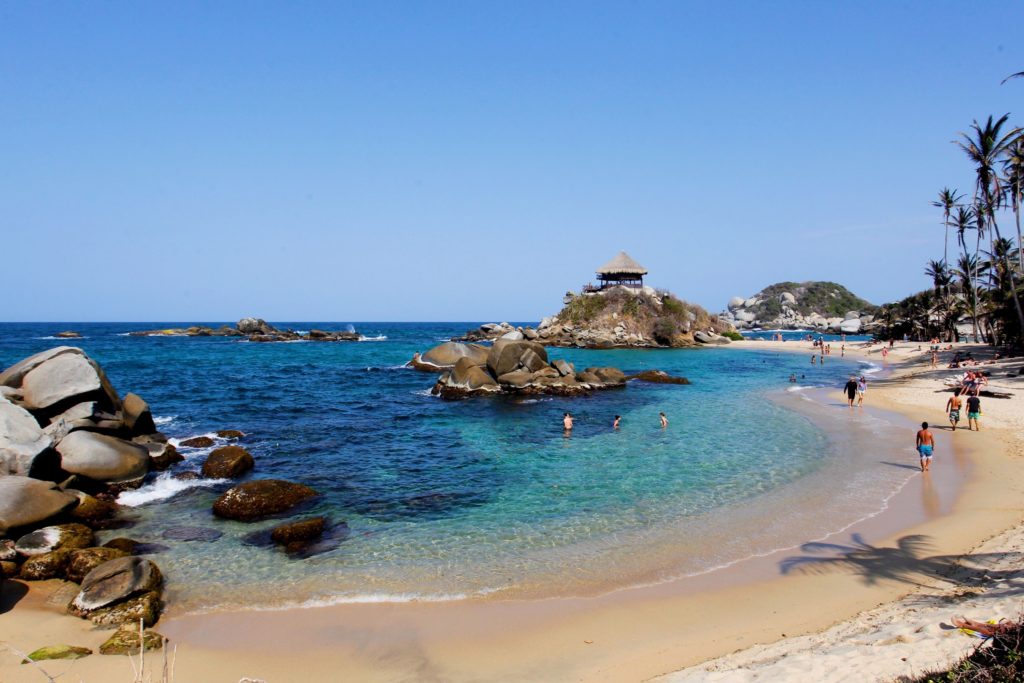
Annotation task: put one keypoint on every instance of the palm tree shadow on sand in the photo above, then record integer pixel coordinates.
(908, 562)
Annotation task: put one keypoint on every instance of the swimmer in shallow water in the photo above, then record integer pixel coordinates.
(664, 420)
(567, 422)
(615, 423)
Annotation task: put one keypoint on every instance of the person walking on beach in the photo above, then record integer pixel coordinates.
(862, 386)
(973, 413)
(953, 408)
(567, 422)
(925, 446)
(851, 389)
(664, 420)
(615, 422)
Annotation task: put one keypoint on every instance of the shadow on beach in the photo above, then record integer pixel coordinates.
(11, 593)
(909, 562)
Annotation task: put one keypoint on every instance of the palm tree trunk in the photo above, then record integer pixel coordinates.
(1020, 245)
(974, 286)
(1009, 270)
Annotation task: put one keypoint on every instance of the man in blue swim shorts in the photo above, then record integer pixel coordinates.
(925, 446)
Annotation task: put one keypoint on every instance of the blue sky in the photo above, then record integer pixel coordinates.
(473, 161)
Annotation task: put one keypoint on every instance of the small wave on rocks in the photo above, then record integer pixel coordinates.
(163, 487)
(378, 338)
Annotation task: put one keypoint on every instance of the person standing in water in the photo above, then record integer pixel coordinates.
(567, 422)
(615, 422)
(925, 446)
(664, 420)
(953, 408)
(851, 389)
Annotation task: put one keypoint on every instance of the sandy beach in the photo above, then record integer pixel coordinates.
(873, 611)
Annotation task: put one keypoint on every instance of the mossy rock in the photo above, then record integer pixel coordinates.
(128, 545)
(58, 652)
(145, 607)
(227, 462)
(45, 566)
(260, 499)
(197, 442)
(230, 434)
(126, 641)
(91, 509)
(296, 535)
(8, 568)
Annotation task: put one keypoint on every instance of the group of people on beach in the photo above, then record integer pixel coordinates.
(568, 421)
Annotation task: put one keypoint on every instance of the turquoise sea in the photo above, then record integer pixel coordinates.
(441, 500)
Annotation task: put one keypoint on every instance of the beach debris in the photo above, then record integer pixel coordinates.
(227, 462)
(57, 652)
(261, 498)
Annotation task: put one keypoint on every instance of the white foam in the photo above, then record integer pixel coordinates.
(163, 487)
(379, 337)
(122, 334)
(161, 420)
(871, 367)
(63, 338)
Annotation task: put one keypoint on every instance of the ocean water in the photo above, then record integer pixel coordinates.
(439, 500)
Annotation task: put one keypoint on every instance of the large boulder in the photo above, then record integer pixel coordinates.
(64, 378)
(851, 326)
(709, 338)
(13, 376)
(735, 302)
(255, 326)
(102, 457)
(46, 566)
(564, 368)
(227, 462)
(506, 356)
(608, 375)
(116, 580)
(466, 376)
(261, 498)
(137, 417)
(445, 356)
(516, 379)
(25, 501)
(21, 439)
(59, 537)
(145, 608)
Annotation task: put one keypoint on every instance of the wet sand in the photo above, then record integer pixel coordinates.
(626, 635)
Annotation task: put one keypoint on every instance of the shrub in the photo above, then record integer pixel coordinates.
(732, 334)
(665, 329)
(583, 308)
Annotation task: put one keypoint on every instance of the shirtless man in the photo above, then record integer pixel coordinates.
(615, 423)
(851, 389)
(567, 422)
(664, 420)
(925, 446)
(953, 406)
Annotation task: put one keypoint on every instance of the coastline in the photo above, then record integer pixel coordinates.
(633, 634)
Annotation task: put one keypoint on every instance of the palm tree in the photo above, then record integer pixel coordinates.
(984, 149)
(963, 221)
(941, 280)
(946, 201)
(1013, 167)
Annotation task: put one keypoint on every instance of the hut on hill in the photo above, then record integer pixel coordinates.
(622, 270)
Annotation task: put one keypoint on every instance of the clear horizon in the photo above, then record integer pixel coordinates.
(469, 162)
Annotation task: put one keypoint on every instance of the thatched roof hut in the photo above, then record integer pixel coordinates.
(621, 270)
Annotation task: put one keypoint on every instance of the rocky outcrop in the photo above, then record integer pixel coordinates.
(618, 317)
(25, 502)
(819, 306)
(259, 499)
(60, 415)
(255, 329)
(658, 377)
(517, 366)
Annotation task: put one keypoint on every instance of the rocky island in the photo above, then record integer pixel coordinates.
(821, 306)
(619, 312)
(254, 329)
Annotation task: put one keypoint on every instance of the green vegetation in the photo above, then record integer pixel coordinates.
(827, 298)
(732, 334)
(666, 318)
(998, 661)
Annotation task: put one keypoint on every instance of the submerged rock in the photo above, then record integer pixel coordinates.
(658, 377)
(262, 498)
(197, 442)
(230, 434)
(296, 536)
(192, 533)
